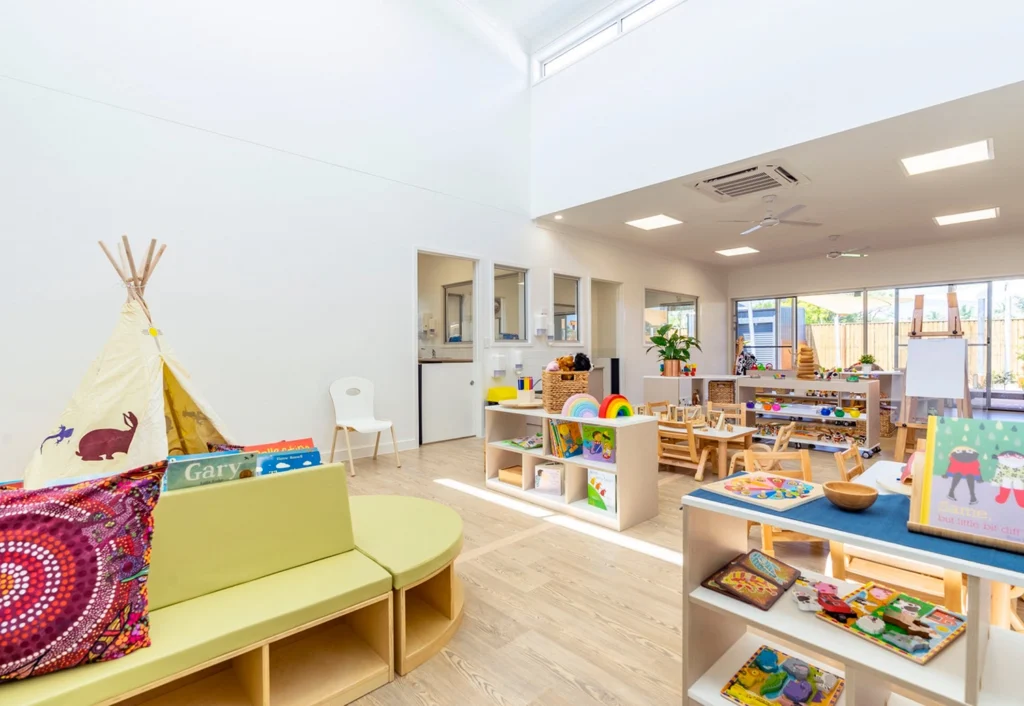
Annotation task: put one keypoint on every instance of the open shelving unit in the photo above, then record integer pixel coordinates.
(719, 632)
(815, 430)
(635, 466)
(336, 660)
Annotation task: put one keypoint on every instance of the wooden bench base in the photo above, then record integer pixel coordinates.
(427, 614)
(339, 658)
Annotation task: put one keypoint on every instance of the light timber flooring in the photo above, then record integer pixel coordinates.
(554, 616)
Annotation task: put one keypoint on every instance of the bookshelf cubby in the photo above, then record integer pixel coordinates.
(635, 466)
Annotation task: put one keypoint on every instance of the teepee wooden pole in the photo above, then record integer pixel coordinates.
(149, 260)
(131, 261)
(113, 262)
(152, 268)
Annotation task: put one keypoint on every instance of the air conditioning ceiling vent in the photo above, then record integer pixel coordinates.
(753, 180)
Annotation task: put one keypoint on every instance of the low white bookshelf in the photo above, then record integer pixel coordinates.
(978, 669)
(635, 466)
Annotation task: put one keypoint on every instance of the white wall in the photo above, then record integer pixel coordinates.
(432, 273)
(951, 261)
(711, 82)
(295, 157)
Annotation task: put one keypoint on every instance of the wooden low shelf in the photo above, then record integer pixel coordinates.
(635, 466)
(427, 614)
(334, 660)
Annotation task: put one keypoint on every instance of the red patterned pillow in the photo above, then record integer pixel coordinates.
(73, 567)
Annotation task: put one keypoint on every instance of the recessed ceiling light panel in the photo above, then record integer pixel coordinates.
(967, 217)
(733, 252)
(952, 157)
(653, 222)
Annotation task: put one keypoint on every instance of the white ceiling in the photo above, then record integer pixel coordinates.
(538, 22)
(856, 188)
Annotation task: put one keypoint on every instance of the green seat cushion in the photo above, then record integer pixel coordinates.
(410, 537)
(192, 632)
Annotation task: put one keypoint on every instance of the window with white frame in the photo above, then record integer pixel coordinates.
(604, 34)
(661, 308)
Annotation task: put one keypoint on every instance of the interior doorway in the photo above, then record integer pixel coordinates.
(605, 316)
(449, 398)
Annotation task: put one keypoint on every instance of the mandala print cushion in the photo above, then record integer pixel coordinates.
(73, 567)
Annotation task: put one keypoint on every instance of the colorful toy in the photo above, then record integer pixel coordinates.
(854, 413)
(581, 405)
(903, 624)
(615, 406)
(751, 405)
(826, 411)
(552, 367)
(767, 490)
(762, 682)
(760, 366)
(840, 413)
(776, 407)
(767, 406)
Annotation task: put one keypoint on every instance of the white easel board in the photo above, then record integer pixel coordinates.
(936, 367)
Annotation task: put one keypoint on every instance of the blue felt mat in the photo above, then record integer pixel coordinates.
(885, 521)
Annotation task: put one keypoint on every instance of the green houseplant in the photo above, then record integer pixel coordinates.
(673, 348)
(867, 362)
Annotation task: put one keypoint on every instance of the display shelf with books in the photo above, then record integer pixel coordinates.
(608, 475)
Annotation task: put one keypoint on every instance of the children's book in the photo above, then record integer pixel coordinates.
(971, 486)
(601, 490)
(753, 578)
(531, 441)
(203, 469)
(278, 446)
(566, 438)
(598, 443)
(279, 462)
(767, 490)
(547, 477)
(908, 626)
(773, 678)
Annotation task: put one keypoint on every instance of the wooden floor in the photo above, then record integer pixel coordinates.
(554, 616)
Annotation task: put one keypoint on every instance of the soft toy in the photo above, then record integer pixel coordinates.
(565, 364)
(581, 362)
(552, 367)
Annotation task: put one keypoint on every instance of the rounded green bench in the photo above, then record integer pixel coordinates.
(416, 541)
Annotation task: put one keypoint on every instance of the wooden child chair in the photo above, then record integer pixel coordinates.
(852, 563)
(762, 461)
(655, 409)
(677, 445)
(733, 412)
(781, 444)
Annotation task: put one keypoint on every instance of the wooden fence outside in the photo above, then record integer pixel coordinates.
(822, 337)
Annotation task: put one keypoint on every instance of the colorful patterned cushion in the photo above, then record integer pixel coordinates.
(73, 567)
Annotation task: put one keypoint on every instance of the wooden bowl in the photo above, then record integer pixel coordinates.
(850, 496)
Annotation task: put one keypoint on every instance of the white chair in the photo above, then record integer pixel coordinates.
(353, 411)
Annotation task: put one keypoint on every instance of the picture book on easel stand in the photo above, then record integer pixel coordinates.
(767, 490)
(971, 486)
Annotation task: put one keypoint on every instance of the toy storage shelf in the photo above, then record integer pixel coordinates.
(863, 395)
(635, 467)
(978, 669)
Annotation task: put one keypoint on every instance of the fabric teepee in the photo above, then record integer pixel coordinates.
(135, 406)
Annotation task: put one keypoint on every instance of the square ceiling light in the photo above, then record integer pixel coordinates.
(733, 252)
(653, 222)
(952, 157)
(967, 217)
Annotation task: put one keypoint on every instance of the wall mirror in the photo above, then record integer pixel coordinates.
(661, 308)
(567, 308)
(509, 304)
(458, 312)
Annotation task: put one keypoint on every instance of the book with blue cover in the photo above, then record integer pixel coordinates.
(202, 469)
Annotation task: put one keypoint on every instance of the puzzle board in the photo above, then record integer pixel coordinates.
(768, 491)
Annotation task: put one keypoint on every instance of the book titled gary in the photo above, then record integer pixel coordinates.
(203, 469)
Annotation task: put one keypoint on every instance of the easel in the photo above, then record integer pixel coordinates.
(954, 329)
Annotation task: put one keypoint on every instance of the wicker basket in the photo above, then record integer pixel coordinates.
(558, 387)
(722, 391)
(886, 428)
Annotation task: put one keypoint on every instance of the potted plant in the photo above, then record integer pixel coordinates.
(867, 363)
(673, 348)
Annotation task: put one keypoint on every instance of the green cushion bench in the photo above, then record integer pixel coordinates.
(248, 579)
(417, 541)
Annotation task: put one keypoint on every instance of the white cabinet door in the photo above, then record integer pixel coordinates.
(449, 394)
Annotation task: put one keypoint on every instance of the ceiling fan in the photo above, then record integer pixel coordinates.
(771, 220)
(856, 252)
